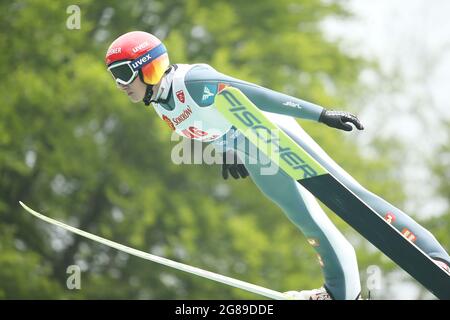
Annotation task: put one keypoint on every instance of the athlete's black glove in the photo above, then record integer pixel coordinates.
(340, 120)
(231, 165)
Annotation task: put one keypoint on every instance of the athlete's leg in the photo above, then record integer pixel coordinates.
(401, 221)
(337, 254)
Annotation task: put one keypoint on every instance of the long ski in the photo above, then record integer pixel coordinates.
(164, 261)
(302, 167)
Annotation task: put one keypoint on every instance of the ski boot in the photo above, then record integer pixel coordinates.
(315, 294)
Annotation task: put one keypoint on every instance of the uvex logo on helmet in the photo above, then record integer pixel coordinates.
(140, 46)
(142, 61)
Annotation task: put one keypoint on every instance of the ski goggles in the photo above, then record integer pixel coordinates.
(125, 72)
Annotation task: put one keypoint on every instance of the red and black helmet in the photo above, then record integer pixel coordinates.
(134, 53)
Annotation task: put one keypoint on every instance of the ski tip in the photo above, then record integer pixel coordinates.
(23, 205)
(28, 209)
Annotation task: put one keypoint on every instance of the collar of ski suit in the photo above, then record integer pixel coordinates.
(162, 89)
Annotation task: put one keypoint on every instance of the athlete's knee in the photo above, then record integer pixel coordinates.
(278, 188)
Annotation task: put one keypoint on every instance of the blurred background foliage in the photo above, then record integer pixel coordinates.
(74, 148)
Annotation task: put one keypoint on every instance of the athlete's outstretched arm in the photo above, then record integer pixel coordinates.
(276, 102)
(204, 76)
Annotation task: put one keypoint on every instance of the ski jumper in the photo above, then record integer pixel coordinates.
(185, 101)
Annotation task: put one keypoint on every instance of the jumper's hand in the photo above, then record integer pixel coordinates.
(340, 120)
(232, 166)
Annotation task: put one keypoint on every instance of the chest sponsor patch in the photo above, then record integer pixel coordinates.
(209, 91)
(180, 96)
(169, 123)
(183, 116)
